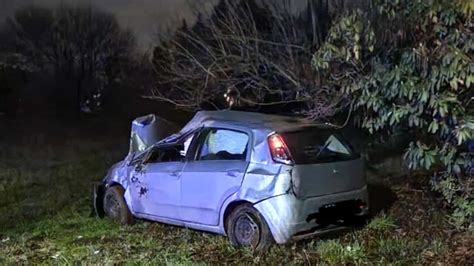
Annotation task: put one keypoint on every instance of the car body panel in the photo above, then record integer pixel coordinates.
(265, 181)
(118, 174)
(205, 186)
(196, 194)
(156, 189)
(287, 215)
(312, 180)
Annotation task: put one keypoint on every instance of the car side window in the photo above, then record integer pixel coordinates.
(173, 153)
(168, 154)
(224, 144)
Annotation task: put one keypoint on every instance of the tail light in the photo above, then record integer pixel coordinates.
(279, 150)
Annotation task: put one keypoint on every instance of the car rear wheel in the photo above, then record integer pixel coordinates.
(359, 221)
(247, 228)
(115, 206)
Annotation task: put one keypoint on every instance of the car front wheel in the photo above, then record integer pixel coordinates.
(247, 228)
(115, 206)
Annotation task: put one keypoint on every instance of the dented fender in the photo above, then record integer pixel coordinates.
(261, 182)
(118, 174)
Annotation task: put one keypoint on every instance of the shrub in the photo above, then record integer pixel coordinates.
(410, 66)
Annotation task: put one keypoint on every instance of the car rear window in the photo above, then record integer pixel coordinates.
(311, 146)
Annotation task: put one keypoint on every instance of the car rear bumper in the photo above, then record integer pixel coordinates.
(290, 218)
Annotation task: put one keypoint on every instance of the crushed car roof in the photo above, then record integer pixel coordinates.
(261, 125)
(249, 119)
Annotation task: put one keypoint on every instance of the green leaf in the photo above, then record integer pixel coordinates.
(470, 125)
(469, 80)
(454, 84)
(434, 126)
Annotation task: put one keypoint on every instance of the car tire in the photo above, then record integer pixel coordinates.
(246, 227)
(361, 221)
(115, 206)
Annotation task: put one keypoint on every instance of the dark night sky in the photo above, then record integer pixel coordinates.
(144, 17)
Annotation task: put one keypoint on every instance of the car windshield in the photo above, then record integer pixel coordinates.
(318, 146)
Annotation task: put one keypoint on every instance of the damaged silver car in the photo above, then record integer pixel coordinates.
(254, 177)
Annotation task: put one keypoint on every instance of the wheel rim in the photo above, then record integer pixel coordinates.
(112, 206)
(246, 230)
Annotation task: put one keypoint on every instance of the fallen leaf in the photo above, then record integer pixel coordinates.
(428, 253)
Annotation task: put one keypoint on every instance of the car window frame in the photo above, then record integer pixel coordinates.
(355, 153)
(150, 152)
(198, 142)
(180, 141)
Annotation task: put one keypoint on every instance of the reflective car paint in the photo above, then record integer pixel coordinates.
(196, 194)
(313, 180)
(287, 215)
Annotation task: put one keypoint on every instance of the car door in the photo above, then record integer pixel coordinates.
(155, 185)
(219, 165)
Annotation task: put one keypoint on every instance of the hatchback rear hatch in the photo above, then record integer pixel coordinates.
(324, 162)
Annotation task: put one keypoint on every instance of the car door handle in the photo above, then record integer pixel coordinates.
(233, 173)
(176, 173)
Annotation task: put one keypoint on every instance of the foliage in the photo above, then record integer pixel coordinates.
(81, 44)
(410, 66)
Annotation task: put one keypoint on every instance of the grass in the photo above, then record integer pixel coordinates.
(71, 237)
(46, 217)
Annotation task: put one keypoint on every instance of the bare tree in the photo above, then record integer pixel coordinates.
(248, 54)
(14, 67)
(82, 44)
